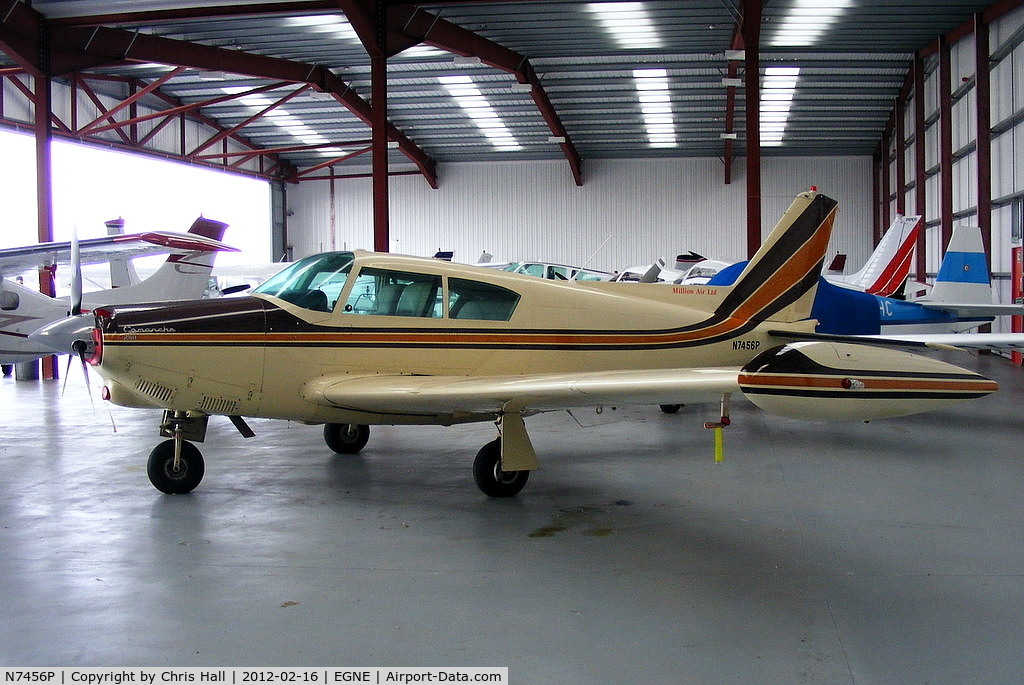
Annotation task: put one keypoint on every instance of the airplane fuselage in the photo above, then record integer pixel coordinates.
(256, 355)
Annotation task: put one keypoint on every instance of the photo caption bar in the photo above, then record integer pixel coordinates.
(377, 675)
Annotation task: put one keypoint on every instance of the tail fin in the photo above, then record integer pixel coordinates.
(889, 265)
(208, 228)
(122, 271)
(183, 276)
(779, 283)
(963, 273)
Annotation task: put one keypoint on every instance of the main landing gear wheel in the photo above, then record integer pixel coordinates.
(346, 438)
(671, 408)
(175, 481)
(489, 477)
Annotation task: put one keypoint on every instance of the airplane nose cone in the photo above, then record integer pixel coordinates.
(61, 336)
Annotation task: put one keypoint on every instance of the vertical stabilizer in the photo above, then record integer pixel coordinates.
(889, 265)
(963, 274)
(779, 283)
(122, 271)
(183, 276)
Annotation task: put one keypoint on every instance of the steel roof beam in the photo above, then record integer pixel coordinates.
(119, 45)
(85, 47)
(419, 26)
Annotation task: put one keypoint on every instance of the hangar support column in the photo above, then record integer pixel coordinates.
(42, 103)
(752, 86)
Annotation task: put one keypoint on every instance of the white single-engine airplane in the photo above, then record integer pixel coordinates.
(185, 275)
(352, 339)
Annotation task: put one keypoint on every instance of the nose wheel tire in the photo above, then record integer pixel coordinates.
(489, 477)
(346, 438)
(175, 481)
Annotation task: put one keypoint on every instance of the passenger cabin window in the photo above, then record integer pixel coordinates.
(474, 300)
(313, 283)
(395, 293)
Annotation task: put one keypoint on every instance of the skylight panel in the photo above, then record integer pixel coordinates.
(628, 23)
(333, 24)
(807, 22)
(777, 91)
(656, 106)
(288, 123)
(467, 96)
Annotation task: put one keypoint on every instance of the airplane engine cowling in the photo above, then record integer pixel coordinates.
(833, 380)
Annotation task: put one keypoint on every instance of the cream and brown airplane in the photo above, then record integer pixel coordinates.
(351, 339)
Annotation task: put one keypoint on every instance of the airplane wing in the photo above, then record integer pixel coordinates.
(15, 260)
(442, 395)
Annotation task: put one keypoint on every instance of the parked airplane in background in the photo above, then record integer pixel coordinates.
(882, 274)
(353, 339)
(960, 300)
(886, 270)
(183, 276)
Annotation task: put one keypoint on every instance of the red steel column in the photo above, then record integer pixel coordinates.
(919, 161)
(379, 135)
(983, 94)
(43, 105)
(945, 144)
(752, 88)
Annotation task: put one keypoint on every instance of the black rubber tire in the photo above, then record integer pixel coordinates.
(671, 408)
(346, 438)
(489, 477)
(161, 468)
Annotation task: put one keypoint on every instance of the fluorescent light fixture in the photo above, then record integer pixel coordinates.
(556, 139)
(421, 52)
(465, 93)
(735, 55)
(732, 82)
(334, 24)
(807, 22)
(288, 123)
(522, 87)
(656, 106)
(777, 91)
(728, 136)
(466, 60)
(628, 23)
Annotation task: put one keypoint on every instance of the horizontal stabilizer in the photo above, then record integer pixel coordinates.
(966, 310)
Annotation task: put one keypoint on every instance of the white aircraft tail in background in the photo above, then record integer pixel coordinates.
(183, 276)
(889, 265)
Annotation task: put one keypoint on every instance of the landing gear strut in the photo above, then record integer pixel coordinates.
(176, 466)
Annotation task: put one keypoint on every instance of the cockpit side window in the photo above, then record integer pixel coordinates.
(395, 293)
(474, 300)
(313, 283)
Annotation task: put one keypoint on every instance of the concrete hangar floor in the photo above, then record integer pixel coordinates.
(841, 553)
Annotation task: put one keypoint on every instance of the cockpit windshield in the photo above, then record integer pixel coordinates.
(312, 283)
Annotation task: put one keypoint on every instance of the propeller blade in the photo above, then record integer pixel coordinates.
(67, 370)
(76, 274)
(79, 347)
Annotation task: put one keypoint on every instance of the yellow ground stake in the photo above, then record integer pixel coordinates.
(718, 444)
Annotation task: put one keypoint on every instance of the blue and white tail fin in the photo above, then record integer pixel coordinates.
(963, 274)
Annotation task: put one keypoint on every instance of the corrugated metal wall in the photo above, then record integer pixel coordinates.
(628, 212)
(1006, 65)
